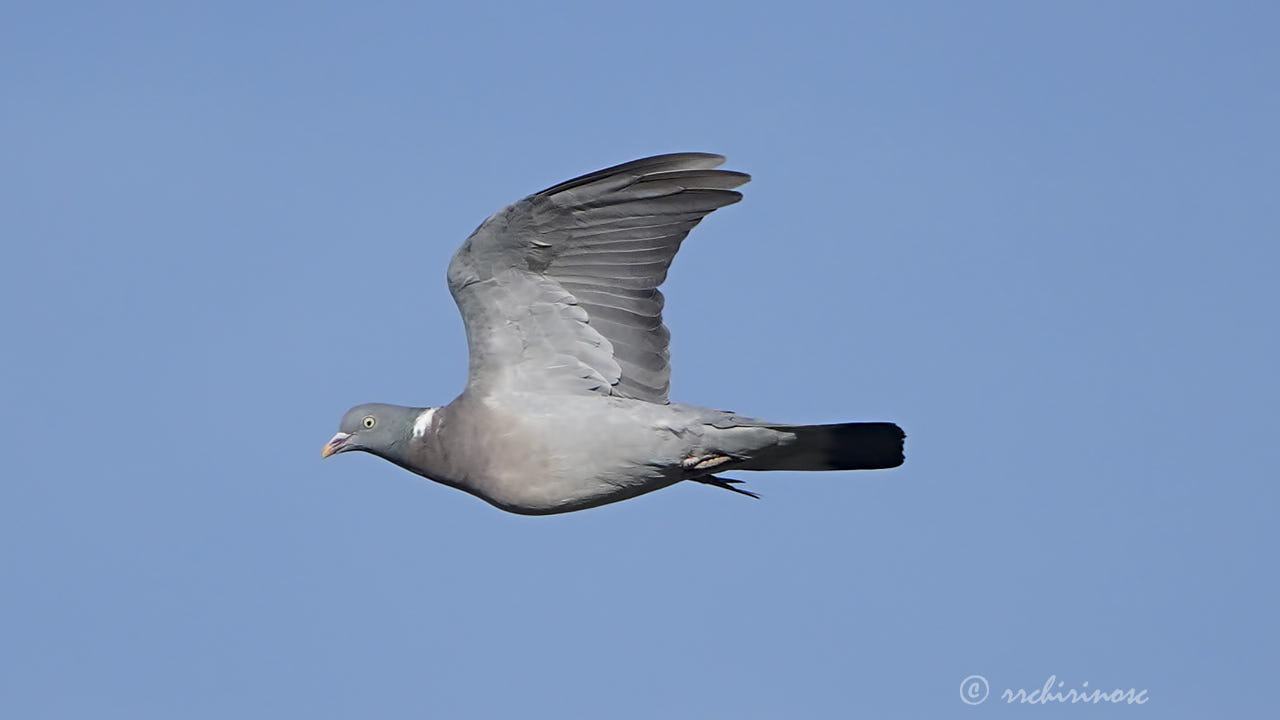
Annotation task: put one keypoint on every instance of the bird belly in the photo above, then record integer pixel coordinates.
(591, 459)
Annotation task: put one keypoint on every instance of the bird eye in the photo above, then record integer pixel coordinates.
(369, 421)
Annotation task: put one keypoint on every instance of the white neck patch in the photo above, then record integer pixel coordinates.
(423, 423)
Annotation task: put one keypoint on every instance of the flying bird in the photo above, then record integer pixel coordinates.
(566, 403)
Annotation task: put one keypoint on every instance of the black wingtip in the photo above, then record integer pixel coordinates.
(644, 166)
(726, 483)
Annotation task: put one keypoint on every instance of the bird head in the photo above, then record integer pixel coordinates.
(372, 427)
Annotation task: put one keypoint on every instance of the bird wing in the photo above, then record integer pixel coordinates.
(559, 291)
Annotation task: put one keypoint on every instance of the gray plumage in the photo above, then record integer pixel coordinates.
(566, 402)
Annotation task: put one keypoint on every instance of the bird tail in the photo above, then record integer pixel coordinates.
(844, 446)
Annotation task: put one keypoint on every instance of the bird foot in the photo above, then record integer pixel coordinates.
(704, 462)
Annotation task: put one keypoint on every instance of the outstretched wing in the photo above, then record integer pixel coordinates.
(559, 291)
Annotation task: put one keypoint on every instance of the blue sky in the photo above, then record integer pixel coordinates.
(1041, 237)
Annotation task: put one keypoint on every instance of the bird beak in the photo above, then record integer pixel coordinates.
(335, 444)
